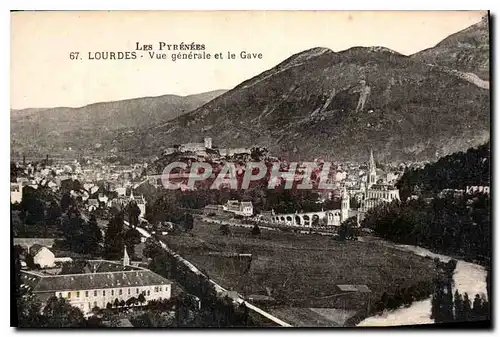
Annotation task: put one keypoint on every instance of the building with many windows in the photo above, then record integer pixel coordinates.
(100, 283)
(376, 193)
(244, 208)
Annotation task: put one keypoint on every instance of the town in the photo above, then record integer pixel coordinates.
(330, 174)
(92, 233)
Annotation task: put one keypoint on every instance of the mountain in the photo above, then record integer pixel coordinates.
(338, 106)
(467, 51)
(52, 128)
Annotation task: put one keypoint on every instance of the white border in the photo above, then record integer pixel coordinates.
(200, 5)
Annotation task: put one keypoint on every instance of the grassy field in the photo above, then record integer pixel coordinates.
(300, 270)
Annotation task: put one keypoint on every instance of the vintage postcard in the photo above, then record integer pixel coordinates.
(250, 169)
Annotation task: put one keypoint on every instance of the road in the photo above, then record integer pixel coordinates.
(219, 289)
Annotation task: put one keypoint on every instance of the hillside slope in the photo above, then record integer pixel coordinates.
(320, 103)
(53, 128)
(467, 51)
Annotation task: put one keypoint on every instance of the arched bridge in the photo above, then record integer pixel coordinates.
(333, 218)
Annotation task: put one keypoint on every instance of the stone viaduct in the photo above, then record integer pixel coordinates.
(333, 218)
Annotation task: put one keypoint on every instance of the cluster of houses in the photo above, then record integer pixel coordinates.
(103, 201)
(80, 186)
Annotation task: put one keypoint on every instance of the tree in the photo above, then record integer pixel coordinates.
(93, 235)
(152, 248)
(437, 303)
(96, 310)
(131, 301)
(346, 231)
(28, 311)
(53, 215)
(458, 304)
(122, 303)
(477, 308)
(109, 306)
(58, 313)
(76, 232)
(256, 230)
(94, 321)
(133, 212)
(131, 239)
(116, 303)
(315, 221)
(66, 201)
(75, 267)
(485, 308)
(141, 298)
(114, 238)
(188, 221)
(224, 229)
(33, 206)
(466, 307)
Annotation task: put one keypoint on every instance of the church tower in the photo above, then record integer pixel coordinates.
(372, 172)
(344, 206)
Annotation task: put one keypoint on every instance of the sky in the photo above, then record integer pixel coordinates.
(44, 75)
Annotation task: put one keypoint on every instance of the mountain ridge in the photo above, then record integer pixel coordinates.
(467, 50)
(337, 105)
(47, 129)
(349, 99)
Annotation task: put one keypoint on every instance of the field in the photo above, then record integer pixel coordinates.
(300, 270)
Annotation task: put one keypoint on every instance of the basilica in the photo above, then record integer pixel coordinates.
(375, 193)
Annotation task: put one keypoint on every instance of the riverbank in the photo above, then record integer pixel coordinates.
(468, 278)
(300, 272)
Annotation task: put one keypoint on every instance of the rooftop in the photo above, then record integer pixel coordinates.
(383, 187)
(102, 279)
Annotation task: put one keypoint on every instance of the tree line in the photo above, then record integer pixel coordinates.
(216, 311)
(453, 226)
(448, 307)
(454, 171)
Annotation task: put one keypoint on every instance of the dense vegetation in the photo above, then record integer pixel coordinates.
(451, 224)
(455, 307)
(217, 311)
(454, 226)
(455, 171)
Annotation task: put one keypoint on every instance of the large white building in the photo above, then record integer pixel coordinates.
(105, 282)
(244, 208)
(376, 194)
(42, 256)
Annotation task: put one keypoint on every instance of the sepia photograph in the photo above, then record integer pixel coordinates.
(250, 169)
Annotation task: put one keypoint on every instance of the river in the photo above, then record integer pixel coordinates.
(468, 277)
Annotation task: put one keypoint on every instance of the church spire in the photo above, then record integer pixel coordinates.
(372, 171)
(344, 206)
(344, 192)
(126, 259)
(372, 161)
